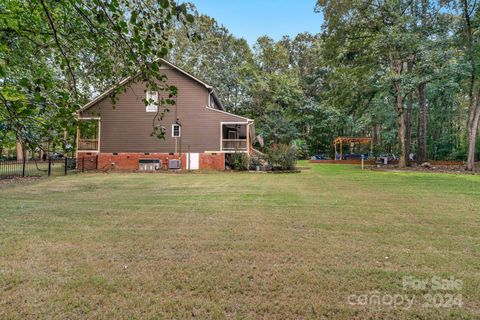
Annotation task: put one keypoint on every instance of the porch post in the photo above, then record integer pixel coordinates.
(341, 144)
(78, 141)
(99, 132)
(248, 138)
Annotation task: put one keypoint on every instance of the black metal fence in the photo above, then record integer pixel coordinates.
(48, 167)
(87, 163)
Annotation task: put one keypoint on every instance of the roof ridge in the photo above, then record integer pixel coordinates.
(130, 78)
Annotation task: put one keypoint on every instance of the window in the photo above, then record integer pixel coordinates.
(152, 100)
(176, 130)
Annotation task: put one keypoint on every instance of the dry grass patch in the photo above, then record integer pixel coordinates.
(234, 245)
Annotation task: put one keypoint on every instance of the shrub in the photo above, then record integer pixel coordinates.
(238, 161)
(302, 151)
(255, 161)
(282, 157)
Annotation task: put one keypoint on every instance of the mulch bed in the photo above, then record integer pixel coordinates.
(6, 182)
(275, 171)
(452, 169)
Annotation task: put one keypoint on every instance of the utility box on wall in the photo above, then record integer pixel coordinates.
(148, 164)
(174, 164)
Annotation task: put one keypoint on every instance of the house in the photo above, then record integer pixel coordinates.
(198, 130)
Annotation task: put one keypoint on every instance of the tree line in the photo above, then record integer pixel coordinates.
(404, 72)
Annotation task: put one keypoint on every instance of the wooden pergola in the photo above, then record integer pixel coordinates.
(351, 140)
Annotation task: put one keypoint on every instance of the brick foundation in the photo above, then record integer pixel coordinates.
(129, 161)
(87, 161)
(212, 161)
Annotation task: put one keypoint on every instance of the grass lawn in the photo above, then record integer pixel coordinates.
(239, 245)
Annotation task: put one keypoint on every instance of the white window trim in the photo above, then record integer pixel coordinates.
(154, 96)
(179, 130)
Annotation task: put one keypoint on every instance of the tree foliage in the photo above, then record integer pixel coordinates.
(404, 72)
(55, 55)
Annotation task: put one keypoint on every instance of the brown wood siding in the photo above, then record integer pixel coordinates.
(127, 128)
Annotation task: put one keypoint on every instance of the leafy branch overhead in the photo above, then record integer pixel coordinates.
(56, 55)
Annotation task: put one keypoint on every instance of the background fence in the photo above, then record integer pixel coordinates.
(87, 163)
(48, 167)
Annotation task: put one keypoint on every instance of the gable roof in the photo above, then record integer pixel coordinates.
(127, 80)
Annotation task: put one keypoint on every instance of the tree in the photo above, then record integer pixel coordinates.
(212, 53)
(276, 92)
(375, 35)
(387, 46)
(470, 45)
(54, 55)
(434, 58)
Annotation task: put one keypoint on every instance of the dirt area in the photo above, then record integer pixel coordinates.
(453, 169)
(16, 180)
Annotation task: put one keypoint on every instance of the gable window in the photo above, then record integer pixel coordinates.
(176, 130)
(152, 100)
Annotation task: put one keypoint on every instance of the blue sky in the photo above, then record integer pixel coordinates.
(251, 19)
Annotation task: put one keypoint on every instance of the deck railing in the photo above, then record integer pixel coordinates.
(87, 144)
(234, 144)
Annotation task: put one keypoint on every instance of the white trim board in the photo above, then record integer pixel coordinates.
(231, 114)
(89, 118)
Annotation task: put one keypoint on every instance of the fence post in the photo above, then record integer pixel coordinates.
(49, 166)
(188, 159)
(23, 168)
(66, 164)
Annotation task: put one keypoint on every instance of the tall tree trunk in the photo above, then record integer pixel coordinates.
(408, 118)
(422, 96)
(473, 120)
(19, 151)
(401, 123)
(474, 103)
(422, 123)
(397, 65)
(408, 127)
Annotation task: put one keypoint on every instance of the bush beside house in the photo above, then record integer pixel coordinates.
(278, 157)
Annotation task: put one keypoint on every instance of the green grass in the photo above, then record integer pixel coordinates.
(237, 245)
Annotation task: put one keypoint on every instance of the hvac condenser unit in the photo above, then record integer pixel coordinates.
(148, 164)
(174, 164)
